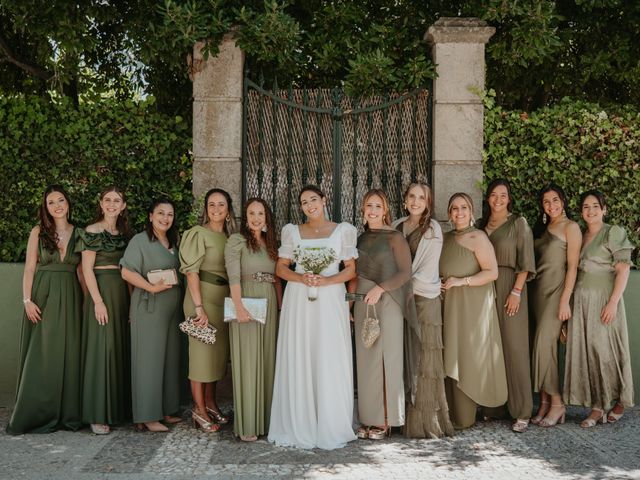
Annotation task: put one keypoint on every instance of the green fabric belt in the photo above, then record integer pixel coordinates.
(212, 278)
(58, 267)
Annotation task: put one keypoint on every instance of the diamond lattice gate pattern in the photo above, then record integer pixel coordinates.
(342, 144)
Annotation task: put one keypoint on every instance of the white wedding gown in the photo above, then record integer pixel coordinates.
(313, 389)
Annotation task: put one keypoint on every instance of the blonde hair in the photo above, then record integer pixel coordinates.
(466, 198)
(386, 219)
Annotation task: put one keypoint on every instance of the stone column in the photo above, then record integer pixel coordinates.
(457, 48)
(217, 120)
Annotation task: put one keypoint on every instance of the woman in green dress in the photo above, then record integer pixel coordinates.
(250, 257)
(106, 371)
(557, 248)
(48, 391)
(598, 365)
(202, 261)
(384, 279)
(155, 313)
(428, 413)
(512, 241)
(473, 358)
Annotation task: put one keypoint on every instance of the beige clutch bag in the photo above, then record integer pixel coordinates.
(169, 276)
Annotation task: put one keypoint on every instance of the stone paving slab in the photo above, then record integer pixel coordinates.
(487, 451)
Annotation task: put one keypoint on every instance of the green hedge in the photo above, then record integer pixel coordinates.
(578, 145)
(86, 149)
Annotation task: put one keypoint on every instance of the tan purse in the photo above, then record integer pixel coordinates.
(370, 328)
(563, 333)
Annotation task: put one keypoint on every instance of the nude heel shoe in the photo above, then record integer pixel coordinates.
(592, 422)
(550, 422)
(538, 418)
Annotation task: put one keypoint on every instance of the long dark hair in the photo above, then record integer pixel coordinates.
(541, 221)
(311, 188)
(172, 233)
(48, 235)
(269, 236)
(425, 219)
(486, 209)
(122, 223)
(229, 225)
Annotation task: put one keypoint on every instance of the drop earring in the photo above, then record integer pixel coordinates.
(544, 218)
(264, 229)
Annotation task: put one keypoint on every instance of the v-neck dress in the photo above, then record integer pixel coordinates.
(155, 340)
(598, 363)
(48, 392)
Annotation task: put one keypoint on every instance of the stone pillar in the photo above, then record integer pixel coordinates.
(457, 48)
(217, 120)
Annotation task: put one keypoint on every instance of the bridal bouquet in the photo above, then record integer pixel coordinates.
(314, 260)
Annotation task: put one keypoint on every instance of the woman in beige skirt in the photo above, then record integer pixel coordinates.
(384, 279)
(598, 366)
(473, 359)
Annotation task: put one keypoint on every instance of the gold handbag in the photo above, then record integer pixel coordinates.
(370, 328)
(563, 333)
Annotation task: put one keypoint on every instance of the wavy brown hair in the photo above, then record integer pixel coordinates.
(425, 219)
(386, 219)
(122, 223)
(48, 235)
(269, 236)
(229, 225)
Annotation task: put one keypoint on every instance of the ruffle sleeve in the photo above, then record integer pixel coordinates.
(132, 259)
(192, 251)
(233, 257)
(287, 241)
(619, 245)
(525, 256)
(349, 240)
(99, 242)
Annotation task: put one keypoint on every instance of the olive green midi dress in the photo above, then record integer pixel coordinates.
(546, 290)
(202, 251)
(598, 363)
(155, 340)
(253, 345)
(106, 363)
(48, 391)
(513, 244)
(473, 357)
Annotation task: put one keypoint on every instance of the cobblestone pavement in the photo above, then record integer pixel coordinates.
(487, 451)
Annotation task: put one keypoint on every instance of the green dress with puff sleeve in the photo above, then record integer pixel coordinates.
(155, 340)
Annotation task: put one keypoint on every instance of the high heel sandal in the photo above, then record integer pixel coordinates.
(203, 424)
(248, 438)
(546, 422)
(538, 418)
(378, 433)
(362, 432)
(612, 416)
(520, 425)
(217, 415)
(592, 422)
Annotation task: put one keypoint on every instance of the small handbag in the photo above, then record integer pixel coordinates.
(370, 328)
(257, 308)
(205, 335)
(563, 333)
(169, 276)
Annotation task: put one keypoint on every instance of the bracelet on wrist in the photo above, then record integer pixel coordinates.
(516, 289)
(26, 300)
(468, 280)
(515, 293)
(198, 306)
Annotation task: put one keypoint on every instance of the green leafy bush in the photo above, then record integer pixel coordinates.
(86, 149)
(578, 145)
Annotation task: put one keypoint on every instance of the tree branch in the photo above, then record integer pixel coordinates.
(21, 63)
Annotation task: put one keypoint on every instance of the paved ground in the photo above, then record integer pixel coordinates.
(487, 451)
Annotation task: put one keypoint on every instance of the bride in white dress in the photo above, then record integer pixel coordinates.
(313, 389)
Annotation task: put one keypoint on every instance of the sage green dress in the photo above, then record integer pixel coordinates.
(253, 345)
(155, 340)
(598, 364)
(48, 391)
(202, 251)
(513, 244)
(473, 358)
(546, 290)
(106, 363)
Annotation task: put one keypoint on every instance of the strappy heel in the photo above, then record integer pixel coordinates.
(203, 424)
(378, 433)
(538, 418)
(520, 425)
(592, 422)
(217, 415)
(612, 416)
(551, 422)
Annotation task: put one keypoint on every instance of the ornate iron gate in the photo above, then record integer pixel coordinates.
(342, 144)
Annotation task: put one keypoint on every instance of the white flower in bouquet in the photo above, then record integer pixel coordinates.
(314, 259)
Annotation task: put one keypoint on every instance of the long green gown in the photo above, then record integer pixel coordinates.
(513, 244)
(598, 363)
(202, 251)
(155, 340)
(253, 345)
(48, 393)
(106, 364)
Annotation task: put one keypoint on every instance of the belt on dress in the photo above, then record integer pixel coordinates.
(57, 267)
(260, 277)
(212, 278)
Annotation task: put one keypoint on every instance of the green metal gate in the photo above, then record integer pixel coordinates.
(344, 145)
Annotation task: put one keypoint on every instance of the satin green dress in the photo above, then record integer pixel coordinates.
(155, 338)
(48, 391)
(473, 357)
(546, 290)
(513, 244)
(598, 364)
(253, 345)
(202, 251)
(106, 363)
